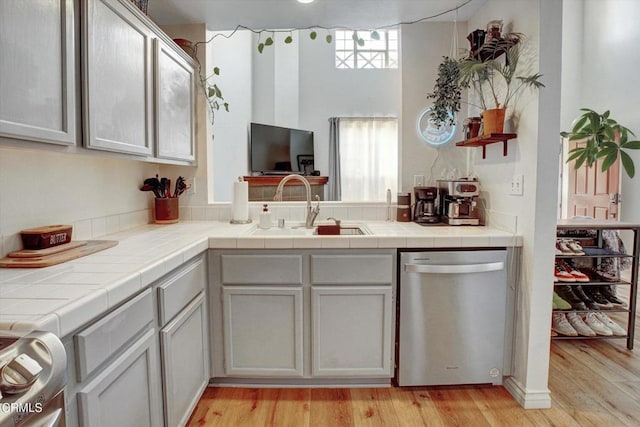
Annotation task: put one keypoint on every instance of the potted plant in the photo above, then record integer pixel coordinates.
(496, 81)
(447, 92)
(601, 136)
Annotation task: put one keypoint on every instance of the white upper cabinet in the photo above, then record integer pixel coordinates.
(117, 79)
(175, 104)
(37, 74)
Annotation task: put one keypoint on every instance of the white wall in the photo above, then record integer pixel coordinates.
(96, 195)
(602, 54)
(228, 157)
(423, 46)
(329, 92)
(534, 155)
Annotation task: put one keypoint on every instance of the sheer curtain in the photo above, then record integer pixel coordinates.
(368, 157)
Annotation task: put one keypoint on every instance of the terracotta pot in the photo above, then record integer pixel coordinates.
(493, 120)
(167, 210)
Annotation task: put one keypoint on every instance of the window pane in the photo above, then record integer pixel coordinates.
(382, 53)
(368, 158)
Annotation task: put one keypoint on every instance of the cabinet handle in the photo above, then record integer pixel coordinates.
(454, 268)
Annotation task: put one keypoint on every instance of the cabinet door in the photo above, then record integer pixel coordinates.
(37, 72)
(117, 78)
(351, 331)
(262, 331)
(126, 393)
(185, 362)
(175, 105)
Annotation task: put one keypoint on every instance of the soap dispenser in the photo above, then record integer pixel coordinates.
(265, 217)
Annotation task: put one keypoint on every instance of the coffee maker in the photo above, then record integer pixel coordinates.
(458, 201)
(425, 211)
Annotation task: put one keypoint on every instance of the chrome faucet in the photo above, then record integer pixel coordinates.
(312, 212)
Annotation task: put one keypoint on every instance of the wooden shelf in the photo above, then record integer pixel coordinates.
(486, 139)
(274, 180)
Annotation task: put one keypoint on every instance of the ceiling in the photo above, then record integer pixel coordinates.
(283, 14)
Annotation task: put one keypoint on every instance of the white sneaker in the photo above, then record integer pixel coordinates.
(560, 324)
(594, 323)
(615, 328)
(578, 324)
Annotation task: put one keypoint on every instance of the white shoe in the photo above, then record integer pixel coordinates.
(615, 328)
(594, 323)
(578, 324)
(560, 324)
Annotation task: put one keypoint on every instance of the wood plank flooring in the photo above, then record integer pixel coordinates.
(592, 383)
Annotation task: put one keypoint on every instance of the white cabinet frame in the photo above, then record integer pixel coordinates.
(38, 72)
(269, 315)
(103, 96)
(351, 331)
(175, 104)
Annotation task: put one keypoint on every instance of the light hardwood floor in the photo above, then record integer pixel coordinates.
(592, 383)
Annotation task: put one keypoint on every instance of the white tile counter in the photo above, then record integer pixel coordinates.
(64, 297)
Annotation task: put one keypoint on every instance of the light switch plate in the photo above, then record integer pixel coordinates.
(517, 182)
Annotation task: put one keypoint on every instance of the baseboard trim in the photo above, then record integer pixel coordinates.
(528, 399)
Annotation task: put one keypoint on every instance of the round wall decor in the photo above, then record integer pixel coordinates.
(431, 133)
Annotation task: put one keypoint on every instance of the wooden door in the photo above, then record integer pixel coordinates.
(592, 192)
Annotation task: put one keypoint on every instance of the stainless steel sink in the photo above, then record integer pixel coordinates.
(300, 230)
(346, 231)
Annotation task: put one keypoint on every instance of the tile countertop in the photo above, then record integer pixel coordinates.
(64, 297)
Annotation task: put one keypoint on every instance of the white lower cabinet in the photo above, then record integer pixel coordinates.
(351, 331)
(145, 363)
(302, 316)
(127, 392)
(185, 362)
(262, 331)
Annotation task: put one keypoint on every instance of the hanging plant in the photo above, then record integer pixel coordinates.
(214, 95)
(447, 92)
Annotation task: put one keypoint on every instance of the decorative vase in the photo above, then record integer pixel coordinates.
(493, 120)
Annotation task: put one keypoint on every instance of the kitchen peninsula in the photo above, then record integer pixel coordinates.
(164, 267)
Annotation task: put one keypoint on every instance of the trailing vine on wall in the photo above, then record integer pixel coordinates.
(267, 39)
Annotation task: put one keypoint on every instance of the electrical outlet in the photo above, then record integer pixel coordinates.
(418, 180)
(517, 182)
(192, 190)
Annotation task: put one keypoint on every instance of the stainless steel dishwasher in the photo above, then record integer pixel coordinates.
(452, 317)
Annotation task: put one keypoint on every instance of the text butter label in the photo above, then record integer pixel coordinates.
(55, 239)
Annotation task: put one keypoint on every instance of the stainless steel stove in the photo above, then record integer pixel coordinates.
(32, 378)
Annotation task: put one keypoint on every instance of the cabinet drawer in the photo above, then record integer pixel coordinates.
(127, 392)
(370, 269)
(98, 342)
(178, 290)
(262, 269)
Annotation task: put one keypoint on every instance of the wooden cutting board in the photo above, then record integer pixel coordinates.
(90, 246)
(36, 253)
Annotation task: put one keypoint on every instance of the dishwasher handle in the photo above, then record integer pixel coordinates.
(454, 268)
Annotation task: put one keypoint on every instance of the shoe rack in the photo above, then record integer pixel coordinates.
(595, 252)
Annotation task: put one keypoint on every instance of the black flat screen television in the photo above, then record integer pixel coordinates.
(279, 150)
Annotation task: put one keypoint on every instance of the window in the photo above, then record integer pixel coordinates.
(381, 53)
(368, 158)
